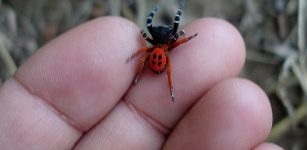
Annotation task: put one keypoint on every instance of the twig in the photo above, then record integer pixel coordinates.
(283, 28)
(301, 34)
(300, 76)
(127, 12)
(7, 59)
(299, 70)
(281, 90)
(285, 125)
(115, 6)
(257, 56)
(141, 12)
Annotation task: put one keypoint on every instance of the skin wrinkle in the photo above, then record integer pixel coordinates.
(25, 121)
(89, 65)
(50, 106)
(155, 124)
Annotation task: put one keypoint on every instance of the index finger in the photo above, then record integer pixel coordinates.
(68, 85)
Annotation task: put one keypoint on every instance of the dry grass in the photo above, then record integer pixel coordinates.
(274, 32)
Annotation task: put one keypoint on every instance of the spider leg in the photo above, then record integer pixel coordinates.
(150, 17)
(141, 50)
(178, 17)
(169, 76)
(142, 62)
(146, 37)
(179, 34)
(183, 41)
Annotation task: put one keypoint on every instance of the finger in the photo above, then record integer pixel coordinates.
(267, 146)
(68, 85)
(217, 53)
(144, 118)
(235, 114)
(28, 123)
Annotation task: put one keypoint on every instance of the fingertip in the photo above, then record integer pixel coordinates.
(83, 73)
(268, 146)
(217, 32)
(234, 114)
(248, 101)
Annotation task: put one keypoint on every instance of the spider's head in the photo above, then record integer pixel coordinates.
(161, 34)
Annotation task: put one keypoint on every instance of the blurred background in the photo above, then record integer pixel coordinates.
(274, 32)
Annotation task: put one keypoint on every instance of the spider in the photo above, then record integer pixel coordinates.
(164, 39)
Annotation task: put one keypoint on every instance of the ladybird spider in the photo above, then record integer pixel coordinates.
(164, 39)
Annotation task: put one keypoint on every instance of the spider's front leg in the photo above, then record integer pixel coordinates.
(170, 78)
(177, 18)
(175, 34)
(183, 41)
(142, 62)
(151, 41)
(178, 34)
(141, 50)
(150, 17)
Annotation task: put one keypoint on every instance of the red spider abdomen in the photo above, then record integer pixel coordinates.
(157, 60)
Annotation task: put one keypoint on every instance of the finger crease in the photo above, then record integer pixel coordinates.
(155, 124)
(49, 105)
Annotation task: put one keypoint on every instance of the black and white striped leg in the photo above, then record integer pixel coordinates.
(144, 34)
(177, 21)
(179, 34)
(150, 17)
(146, 37)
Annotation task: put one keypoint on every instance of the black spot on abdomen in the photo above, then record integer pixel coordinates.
(160, 57)
(159, 63)
(154, 56)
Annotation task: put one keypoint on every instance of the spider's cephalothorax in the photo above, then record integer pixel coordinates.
(164, 38)
(161, 34)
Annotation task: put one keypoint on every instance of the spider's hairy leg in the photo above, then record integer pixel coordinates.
(170, 78)
(179, 34)
(183, 41)
(144, 34)
(150, 17)
(138, 52)
(178, 17)
(142, 62)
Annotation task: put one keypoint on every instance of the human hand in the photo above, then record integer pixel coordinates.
(74, 93)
